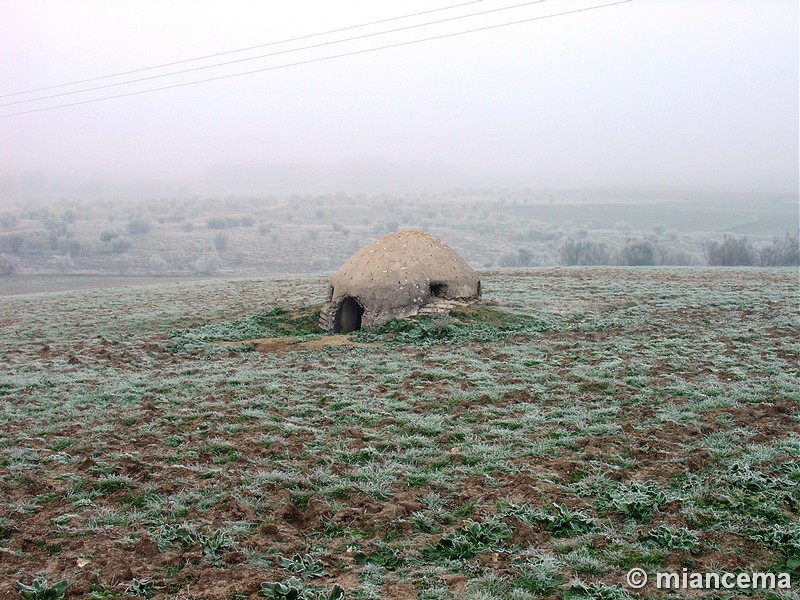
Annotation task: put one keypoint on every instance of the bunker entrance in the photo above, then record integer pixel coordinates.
(438, 290)
(348, 316)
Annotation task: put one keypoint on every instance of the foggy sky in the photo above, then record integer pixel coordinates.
(649, 92)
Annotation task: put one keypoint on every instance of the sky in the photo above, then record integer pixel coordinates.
(666, 93)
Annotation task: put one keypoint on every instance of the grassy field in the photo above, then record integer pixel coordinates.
(582, 422)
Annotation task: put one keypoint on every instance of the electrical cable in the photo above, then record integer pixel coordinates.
(207, 56)
(272, 54)
(322, 59)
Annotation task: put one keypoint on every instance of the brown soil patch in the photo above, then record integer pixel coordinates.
(282, 344)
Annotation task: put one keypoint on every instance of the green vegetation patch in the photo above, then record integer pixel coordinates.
(472, 538)
(276, 322)
(479, 324)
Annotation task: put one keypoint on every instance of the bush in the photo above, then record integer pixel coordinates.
(731, 252)
(120, 246)
(584, 252)
(138, 226)
(75, 248)
(12, 242)
(638, 253)
(220, 241)
(63, 263)
(157, 264)
(675, 256)
(124, 263)
(177, 260)
(782, 253)
(108, 235)
(521, 258)
(207, 263)
(227, 222)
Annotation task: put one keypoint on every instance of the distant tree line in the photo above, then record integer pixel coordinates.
(730, 252)
(228, 222)
(59, 241)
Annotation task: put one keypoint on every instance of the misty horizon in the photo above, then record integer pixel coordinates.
(669, 95)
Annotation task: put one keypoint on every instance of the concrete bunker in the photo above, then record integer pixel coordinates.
(398, 276)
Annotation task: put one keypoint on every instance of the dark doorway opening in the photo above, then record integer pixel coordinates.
(348, 316)
(439, 290)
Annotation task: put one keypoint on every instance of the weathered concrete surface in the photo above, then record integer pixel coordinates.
(395, 277)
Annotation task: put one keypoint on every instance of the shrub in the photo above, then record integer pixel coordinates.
(638, 253)
(157, 263)
(108, 235)
(584, 252)
(730, 252)
(120, 246)
(12, 243)
(56, 227)
(177, 260)
(521, 258)
(123, 263)
(220, 241)
(63, 263)
(138, 226)
(227, 222)
(675, 256)
(207, 263)
(782, 253)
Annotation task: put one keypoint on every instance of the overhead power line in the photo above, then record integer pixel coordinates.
(227, 52)
(272, 54)
(323, 58)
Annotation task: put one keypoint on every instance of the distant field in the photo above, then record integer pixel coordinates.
(737, 215)
(265, 234)
(37, 284)
(583, 422)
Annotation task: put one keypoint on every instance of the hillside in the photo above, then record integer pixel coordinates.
(582, 422)
(253, 235)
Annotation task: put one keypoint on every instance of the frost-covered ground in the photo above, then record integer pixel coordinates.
(586, 422)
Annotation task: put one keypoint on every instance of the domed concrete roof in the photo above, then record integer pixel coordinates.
(396, 275)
